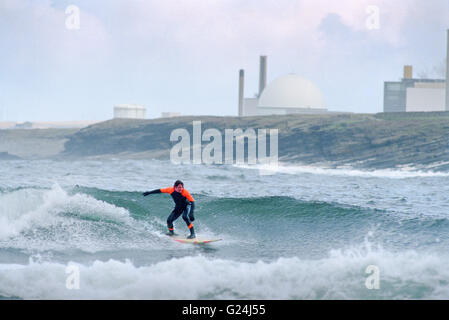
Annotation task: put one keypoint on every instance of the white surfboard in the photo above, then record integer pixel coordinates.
(195, 240)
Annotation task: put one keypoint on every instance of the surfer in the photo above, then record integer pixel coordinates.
(184, 204)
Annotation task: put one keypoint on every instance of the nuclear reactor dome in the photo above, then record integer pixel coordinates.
(292, 91)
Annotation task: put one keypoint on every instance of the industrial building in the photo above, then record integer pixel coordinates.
(417, 95)
(170, 114)
(47, 124)
(129, 111)
(287, 94)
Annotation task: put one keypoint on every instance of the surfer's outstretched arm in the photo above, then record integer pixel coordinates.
(151, 192)
(163, 190)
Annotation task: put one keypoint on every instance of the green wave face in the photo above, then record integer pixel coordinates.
(287, 244)
(283, 224)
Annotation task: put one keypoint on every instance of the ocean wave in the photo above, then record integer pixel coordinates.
(93, 220)
(46, 219)
(281, 206)
(399, 173)
(276, 206)
(25, 208)
(343, 274)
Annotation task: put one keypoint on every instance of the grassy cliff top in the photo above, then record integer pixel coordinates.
(382, 140)
(365, 140)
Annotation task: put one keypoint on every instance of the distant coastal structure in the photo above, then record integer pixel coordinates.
(129, 111)
(47, 125)
(170, 114)
(288, 94)
(417, 95)
(24, 125)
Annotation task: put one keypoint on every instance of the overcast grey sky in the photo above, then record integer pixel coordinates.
(184, 56)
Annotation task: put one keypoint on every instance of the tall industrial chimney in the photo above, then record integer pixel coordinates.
(408, 72)
(262, 74)
(447, 71)
(241, 85)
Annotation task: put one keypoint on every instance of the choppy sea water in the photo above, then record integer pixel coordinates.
(297, 233)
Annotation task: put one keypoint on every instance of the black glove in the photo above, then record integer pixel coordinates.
(192, 207)
(146, 193)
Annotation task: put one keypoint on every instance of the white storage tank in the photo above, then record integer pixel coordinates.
(129, 111)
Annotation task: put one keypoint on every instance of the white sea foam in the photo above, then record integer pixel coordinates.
(400, 173)
(46, 219)
(342, 275)
(30, 208)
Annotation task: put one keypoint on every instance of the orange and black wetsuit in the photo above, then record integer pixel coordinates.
(184, 204)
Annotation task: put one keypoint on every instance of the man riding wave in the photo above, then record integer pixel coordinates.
(184, 204)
